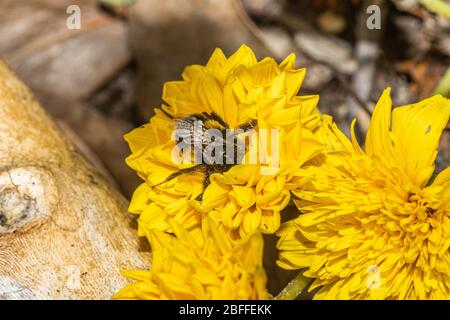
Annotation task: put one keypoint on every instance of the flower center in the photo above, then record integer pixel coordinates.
(421, 205)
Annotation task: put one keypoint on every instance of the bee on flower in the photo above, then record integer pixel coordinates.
(194, 157)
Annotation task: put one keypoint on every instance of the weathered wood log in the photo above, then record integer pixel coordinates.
(64, 231)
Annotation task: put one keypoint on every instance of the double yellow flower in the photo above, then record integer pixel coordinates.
(360, 211)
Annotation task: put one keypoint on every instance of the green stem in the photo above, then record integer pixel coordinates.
(118, 2)
(437, 6)
(444, 85)
(294, 288)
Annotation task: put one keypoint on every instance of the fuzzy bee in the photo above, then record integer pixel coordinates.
(194, 135)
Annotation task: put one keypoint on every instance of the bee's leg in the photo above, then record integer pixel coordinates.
(249, 125)
(201, 116)
(166, 113)
(217, 118)
(180, 172)
(206, 182)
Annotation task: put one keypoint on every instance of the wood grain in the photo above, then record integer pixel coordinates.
(64, 232)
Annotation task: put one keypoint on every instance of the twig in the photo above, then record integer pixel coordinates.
(294, 24)
(444, 85)
(251, 26)
(367, 52)
(444, 88)
(347, 87)
(42, 43)
(345, 84)
(119, 9)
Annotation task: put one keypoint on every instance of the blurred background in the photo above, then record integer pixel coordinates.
(101, 76)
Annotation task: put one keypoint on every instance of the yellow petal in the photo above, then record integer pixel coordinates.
(243, 56)
(252, 220)
(245, 196)
(288, 62)
(217, 59)
(263, 72)
(443, 177)
(139, 199)
(153, 217)
(294, 80)
(230, 107)
(378, 140)
(270, 221)
(416, 131)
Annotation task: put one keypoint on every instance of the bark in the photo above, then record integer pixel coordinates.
(64, 231)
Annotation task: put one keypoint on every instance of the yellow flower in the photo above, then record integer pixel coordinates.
(242, 197)
(374, 225)
(183, 268)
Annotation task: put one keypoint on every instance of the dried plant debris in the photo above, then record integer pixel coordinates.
(83, 77)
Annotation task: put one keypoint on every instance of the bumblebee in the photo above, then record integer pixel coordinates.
(195, 138)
